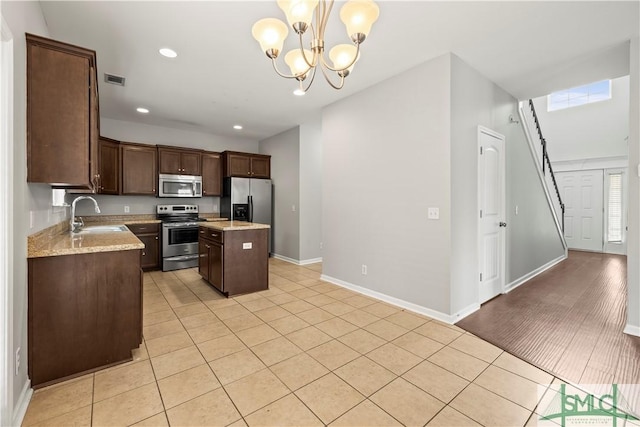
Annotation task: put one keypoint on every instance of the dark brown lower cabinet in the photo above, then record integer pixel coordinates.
(85, 313)
(234, 262)
(149, 234)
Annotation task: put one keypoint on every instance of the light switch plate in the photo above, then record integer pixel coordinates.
(433, 213)
(247, 245)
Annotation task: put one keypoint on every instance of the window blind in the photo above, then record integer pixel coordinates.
(614, 231)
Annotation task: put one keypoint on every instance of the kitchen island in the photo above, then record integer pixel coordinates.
(234, 256)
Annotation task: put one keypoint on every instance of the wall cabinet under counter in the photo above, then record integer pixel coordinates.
(85, 313)
(149, 234)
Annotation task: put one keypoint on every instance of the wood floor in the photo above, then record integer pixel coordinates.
(569, 322)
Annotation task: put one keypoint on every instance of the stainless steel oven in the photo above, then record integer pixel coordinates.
(179, 236)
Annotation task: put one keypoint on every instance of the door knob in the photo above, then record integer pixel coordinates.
(502, 224)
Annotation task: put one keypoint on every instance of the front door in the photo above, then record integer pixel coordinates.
(583, 217)
(491, 224)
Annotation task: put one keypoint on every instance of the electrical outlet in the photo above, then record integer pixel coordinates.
(364, 270)
(433, 213)
(17, 361)
(516, 209)
(126, 209)
(31, 215)
(293, 208)
(320, 245)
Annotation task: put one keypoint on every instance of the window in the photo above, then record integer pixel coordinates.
(614, 229)
(593, 92)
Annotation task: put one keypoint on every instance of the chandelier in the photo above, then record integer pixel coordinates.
(357, 15)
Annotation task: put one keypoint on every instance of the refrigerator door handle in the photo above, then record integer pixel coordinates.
(250, 208)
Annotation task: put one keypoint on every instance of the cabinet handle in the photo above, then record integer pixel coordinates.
(156, 237)
(201, 232)
(208, 247)
(144, 254)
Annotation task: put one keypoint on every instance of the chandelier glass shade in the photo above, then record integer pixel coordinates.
(312, 15)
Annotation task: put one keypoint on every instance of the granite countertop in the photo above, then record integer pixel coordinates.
(67, 243)
(57, 240)
(233, 225)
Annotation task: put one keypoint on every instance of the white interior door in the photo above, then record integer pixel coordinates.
(491, 201)
(582, 194)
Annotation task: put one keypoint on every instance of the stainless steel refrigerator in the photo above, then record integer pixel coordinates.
(248, 199)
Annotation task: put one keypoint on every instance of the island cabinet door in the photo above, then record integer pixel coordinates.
(216, 265)
(204, 249)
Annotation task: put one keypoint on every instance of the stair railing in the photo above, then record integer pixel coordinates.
(546, 163)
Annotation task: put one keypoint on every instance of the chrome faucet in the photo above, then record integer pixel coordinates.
(76, 225)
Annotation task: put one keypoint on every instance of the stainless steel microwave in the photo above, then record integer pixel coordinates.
(179, 186)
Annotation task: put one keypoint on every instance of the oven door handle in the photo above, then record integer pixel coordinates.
(182, 258)
(250, 208)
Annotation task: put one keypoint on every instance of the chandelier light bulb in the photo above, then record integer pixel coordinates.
(358, 16)
(296, 62)
(298, 11)
(270, 33)
(342, 57)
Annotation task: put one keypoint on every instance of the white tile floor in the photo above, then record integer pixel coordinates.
(304, 353)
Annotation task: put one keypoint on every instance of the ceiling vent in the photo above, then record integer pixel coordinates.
(113, 79)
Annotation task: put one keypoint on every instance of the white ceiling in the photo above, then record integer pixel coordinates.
(221, 77)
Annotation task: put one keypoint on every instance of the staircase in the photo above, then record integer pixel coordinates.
(538, 146)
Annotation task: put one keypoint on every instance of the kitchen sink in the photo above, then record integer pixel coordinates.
(96, 229)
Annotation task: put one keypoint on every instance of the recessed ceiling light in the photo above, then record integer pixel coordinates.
(169, 53)
(237, 127)
(142, 110)
(299, 92)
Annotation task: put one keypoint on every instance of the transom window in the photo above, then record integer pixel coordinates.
(580, 95)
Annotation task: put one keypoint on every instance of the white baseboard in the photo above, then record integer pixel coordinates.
(23, 402)
(310, 261)
(446, 318)
(295, 261)
(632, 330)
(511, 286)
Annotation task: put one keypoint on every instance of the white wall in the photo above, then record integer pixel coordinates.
(385, 159)
(150, 134)
(633, 236)
(284, 150)
(22, 17)
(311, 190)
(532, 239)
(399, 147)
(590, 131)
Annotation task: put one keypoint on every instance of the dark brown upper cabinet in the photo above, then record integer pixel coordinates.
(139, 168)
(62, 114)
(108, 166)
(246, 165)
(211, 174)
(178, 161)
